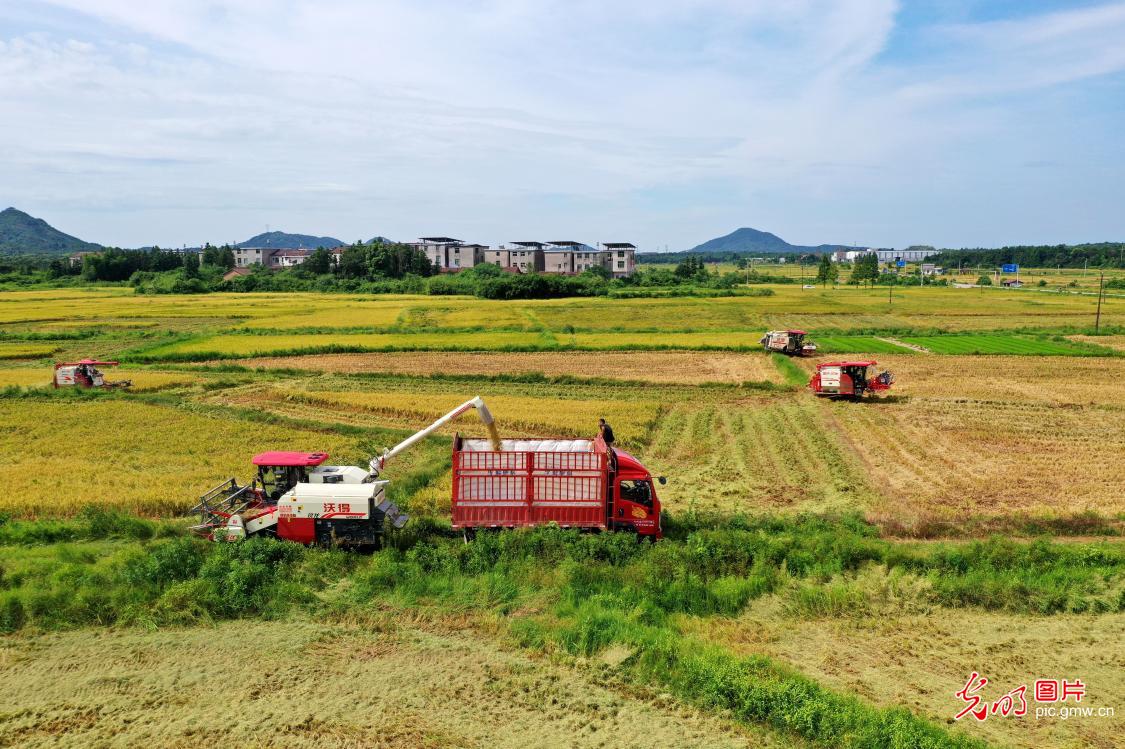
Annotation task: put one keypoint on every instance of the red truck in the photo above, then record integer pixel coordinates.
(573, 483)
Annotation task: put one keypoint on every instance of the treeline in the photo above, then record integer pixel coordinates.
(1097, 255)
(720, 256)
(387, 268)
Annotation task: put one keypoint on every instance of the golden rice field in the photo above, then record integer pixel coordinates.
(961, 441)
(839, 309)
(515, 415)
(682, 367)
(40, 377)
(154, 460)
(26, 350)
(963, 435)
(266, 345)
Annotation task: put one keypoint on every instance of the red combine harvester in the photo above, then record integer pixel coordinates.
(85, 374)
(496, 484)
(789, 342)
(572, 483)
(849, 379)
(298, 498)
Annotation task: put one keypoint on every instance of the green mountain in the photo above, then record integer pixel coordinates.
(282, 241)
(21, 234)
(748, 240)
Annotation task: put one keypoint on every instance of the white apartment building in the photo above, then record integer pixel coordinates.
(566, 257)
(621, 261)
(527, 256)
(910, 256)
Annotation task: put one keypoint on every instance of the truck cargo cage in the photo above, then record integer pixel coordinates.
(510, 488)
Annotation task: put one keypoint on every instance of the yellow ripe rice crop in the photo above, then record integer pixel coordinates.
(747, 340)
(684, 313)
(61, 456)
(688, 367)
(265, 345)
(35, 377)
(515, 415)
(26, 350)
(468, 313)
(341, 314)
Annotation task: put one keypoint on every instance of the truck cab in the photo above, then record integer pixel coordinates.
(634, 504)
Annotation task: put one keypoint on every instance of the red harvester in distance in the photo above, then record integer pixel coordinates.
(849, 379)
(85, 374)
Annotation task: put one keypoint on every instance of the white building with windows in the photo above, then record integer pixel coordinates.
(907, 255)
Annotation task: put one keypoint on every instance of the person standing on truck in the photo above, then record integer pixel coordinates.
(605, 431)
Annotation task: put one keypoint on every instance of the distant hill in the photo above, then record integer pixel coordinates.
(748, 240)
(24, 234)
(283, 241)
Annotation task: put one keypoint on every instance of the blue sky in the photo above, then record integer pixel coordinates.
(874, 122)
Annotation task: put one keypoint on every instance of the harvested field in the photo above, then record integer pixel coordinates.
(757, 455)
(665, 366)
(1115, 342)
(1032, 379)
(943, 459)
(309, 684)
(920, 659)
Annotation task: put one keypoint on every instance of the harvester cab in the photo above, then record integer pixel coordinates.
(849, 379)
(85, 374)
(789, 342)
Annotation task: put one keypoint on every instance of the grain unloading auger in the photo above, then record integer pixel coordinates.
(298, 498)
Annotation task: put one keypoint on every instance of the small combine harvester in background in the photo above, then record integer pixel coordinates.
(85, 374)
(849, 379)
(298, 498)
(788, 342)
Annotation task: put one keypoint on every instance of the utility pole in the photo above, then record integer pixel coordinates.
(1098, 318)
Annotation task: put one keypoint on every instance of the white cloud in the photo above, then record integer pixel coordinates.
(499, 116)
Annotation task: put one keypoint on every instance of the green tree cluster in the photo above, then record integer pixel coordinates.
(827, 271)
(865, 269)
